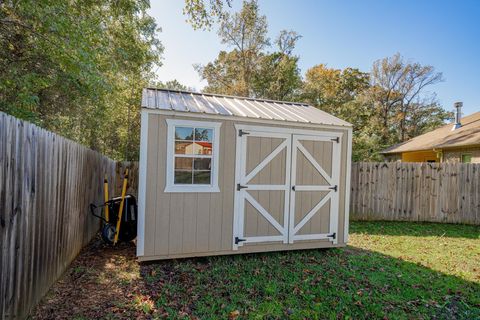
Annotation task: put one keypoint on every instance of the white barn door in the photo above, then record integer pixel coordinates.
(314, 196)
(263, 162)
(286, 186)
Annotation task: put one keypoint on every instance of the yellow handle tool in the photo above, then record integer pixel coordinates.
(120, 210)
(105, 192)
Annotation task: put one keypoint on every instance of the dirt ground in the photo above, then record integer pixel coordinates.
(100, 282)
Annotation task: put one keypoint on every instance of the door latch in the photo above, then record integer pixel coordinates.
(240, 187)
(334, 188)
(238, 240)
(242, 132)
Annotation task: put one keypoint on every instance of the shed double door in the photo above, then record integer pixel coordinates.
(286, 186)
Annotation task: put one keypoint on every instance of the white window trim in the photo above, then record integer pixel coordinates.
(170, 186)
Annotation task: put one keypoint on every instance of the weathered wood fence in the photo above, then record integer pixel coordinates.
(132, 186)
(46, 185)
(435, 192)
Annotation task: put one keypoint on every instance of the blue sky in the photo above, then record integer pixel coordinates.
(445, 34)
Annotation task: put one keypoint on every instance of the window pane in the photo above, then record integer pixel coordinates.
(182, 133)
(202, 147)
(183, 177)
(184, 147)
(466, 158)
(201, 177)
(202, 134)
(183, 163)
(202, 164)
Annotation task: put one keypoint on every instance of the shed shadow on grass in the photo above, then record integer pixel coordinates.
(417, 229)
(109, 283)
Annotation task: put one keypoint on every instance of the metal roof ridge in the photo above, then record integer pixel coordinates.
(230, 96)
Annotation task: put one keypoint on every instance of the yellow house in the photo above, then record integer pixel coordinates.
(455, 142)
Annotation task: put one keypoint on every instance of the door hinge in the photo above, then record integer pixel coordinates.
(240, 187)
(238, 240)
(293, 188)
(334, 188)
(333, 235)
(241, 132)
(337, 139)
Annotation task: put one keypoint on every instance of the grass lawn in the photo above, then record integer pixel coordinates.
(390, 270)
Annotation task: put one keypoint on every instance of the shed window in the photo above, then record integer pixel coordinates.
(467, 158)
(192, 156)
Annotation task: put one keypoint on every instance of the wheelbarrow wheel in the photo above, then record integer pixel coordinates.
(108, 233)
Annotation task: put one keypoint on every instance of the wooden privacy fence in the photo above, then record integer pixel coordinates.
(435, 192)
(132, 186)
(46, 185)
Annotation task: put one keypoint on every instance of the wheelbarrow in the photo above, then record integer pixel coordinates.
(119, 215)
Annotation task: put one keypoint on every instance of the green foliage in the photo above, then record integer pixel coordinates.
(400, 100)
(342, 93)
(278, 77)
(385, 106)
(77, 68)
(246, 32)
(332, 89)
(202, 14)
(172, 84)
(222, 74)
(248, 70)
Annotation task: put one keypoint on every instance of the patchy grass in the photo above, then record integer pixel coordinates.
(390, 270)
(450, 249)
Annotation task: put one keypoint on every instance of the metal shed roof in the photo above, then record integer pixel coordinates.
(185, 101)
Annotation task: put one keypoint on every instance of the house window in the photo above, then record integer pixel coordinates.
(192, 156)
(466, 158)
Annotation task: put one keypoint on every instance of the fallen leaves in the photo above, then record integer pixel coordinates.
(233, 315)
(354, 282)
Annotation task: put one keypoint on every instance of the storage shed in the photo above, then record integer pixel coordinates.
(227, 175)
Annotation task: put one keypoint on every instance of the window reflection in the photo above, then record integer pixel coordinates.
(189, 144)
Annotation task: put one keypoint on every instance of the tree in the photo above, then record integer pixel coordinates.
(201, 14)
(222, 74)
(248, 70)
(278, 77)
(172, 84)
(246, 32)
(385, 107)
(77, 68)
(398, 91)
(424, 117)
(286, 41)
(337, 91)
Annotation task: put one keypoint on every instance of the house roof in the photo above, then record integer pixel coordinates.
(467, 135)
(193, 102)
(204, 144)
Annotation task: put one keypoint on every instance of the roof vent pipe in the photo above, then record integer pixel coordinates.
(458, 115)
